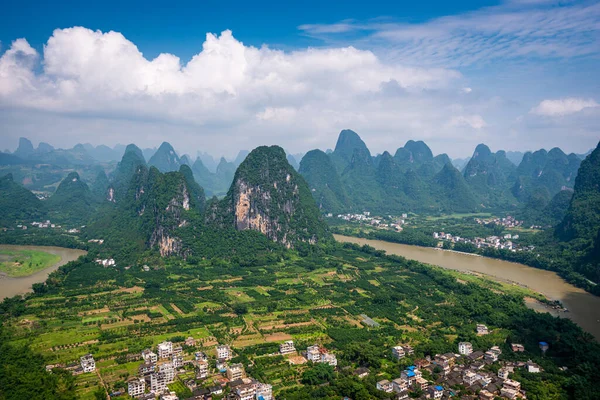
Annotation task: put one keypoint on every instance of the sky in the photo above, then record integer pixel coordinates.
(219, 77)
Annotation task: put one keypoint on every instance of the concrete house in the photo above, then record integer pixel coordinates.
(224, 352)
(465, 348)
(87, 363)
(287, 347)
(136, 387)
(165, 349)
(235, 371)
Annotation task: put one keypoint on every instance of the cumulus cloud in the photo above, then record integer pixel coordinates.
(562, 107)
(93, 86)
(227, 85)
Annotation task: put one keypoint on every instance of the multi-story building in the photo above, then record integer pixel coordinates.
(503, 373)
(287, 347)
(421, 383)
(482, 329)
(158, 382)
(385, 386)
(435, 392)
(88, 364)
(235, 371)
(136, 387)
(200, 356)
(329, 358)
(224, 352)
(470, 377)
(169, 370)
(146, 368)
(246, 391)
(313, 353)
(264, 391)
(149, 356)
(201, 369)
(177, 350)
(398, 352)
(177, 360)
(165, 349)
(465, 348)
(399, 385)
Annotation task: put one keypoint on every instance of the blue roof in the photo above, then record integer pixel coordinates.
(543, 344)
(439, 388)
(410, 373)
(411, 368)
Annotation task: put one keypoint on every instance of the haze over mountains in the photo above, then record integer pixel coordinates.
(349, 178)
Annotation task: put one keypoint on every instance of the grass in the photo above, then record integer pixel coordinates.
(19, 263)
(459, 215)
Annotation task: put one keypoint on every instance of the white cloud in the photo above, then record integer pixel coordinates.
(98, 87)
(562, 107)
(473, 121)
(516, 29)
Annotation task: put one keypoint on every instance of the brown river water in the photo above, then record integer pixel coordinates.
(584, 308)
(12, 286)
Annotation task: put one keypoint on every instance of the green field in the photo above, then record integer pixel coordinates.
(18, 263)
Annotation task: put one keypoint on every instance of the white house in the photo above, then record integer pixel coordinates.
(87, 363)
(224, 352)
(465, 348)
(136, 387)
(165, 349)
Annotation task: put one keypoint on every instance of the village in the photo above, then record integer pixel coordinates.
(504, 242)
(158, 369)
(465, 369)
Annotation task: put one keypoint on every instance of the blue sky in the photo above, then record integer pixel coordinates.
(516, 75)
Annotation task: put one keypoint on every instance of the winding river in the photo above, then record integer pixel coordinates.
(12, 286)
(584, 308)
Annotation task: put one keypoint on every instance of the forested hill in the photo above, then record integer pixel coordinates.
(580, 227)
(267, 195)
(413, 179)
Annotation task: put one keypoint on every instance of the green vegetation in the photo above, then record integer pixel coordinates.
(318, 298)
(16, 263)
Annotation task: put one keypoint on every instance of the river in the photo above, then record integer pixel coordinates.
(584, 308)
(12, 286)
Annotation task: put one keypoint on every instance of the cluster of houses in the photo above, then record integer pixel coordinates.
(366, 218)
(161, 368)
(319, 354)
(105, 262)
(43, 225)
(504, 242)
(508, 221)
(467, 369)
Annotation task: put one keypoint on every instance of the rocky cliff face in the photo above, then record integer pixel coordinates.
(267, 195)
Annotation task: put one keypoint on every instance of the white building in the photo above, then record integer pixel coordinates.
(264, 391)
(87, 363)
(169, 370)
(136, 387)
(149, 356)
(503, 373)
(532, 367)
(398, 352)
(482, 329)
(165, 349)
(465, 348)
(330, 359)
(313, 353)
(385, 386)
(201, 369)
(158, 382)
(287, 347)
(224, 352)
(177, 360)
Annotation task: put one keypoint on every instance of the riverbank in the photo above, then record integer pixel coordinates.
(584, 308)
(10, 287)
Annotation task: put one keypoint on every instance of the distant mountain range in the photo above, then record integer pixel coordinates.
(348, 178)
(413, 179)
